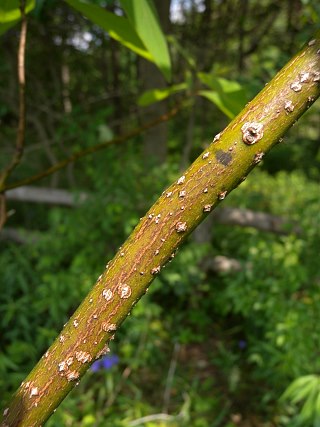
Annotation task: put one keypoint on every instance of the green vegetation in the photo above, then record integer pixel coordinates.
(204, 347)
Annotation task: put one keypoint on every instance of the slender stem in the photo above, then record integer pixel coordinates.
(213, 175)
(22, 105)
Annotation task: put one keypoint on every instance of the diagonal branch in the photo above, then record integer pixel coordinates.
(78, 155)
(180, 209)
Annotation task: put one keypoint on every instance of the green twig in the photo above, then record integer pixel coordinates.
(216, 172)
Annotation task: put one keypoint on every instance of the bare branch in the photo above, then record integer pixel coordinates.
(22, 106)
(78, 155)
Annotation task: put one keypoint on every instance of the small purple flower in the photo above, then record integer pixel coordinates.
(242, 344)
(106, 362)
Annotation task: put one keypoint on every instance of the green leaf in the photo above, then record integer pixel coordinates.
(143, 17)
(318, 403)
(300, 388)
(215, 98)
(118, 27)
(10, 11)
(156, 95)
(305, 390)
(317, 410)
(308, 411)
(228, 95)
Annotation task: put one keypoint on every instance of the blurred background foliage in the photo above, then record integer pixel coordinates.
(206, 346)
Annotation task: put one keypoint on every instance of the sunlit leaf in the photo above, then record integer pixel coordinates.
(216, 99)
(143, 17)
(118, 27)
(10, 10)
(306, 391)
(156, 95)
(317, 410)
(228, 95)
(309, 409)
(298, 389)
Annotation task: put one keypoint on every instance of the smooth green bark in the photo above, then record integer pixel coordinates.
(216, 172)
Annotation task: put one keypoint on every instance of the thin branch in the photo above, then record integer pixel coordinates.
(22, 106)
(78, 155)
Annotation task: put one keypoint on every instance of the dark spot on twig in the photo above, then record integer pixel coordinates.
(223, 157)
